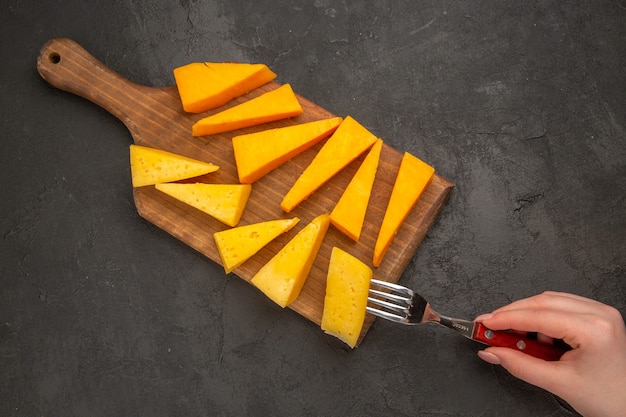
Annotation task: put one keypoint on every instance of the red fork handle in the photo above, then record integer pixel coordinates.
(502, 338)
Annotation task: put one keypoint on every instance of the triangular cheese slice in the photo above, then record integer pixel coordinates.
(412, 179)
(256, 154)
(349, 213)
(225, 202)
(150, 166)
(206, 85)
(239, 244)
(277, 104)
(348, 142)
(347, 288)
(283, 276)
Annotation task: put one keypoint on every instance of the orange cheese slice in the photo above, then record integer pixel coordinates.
(283, 276)
(150, 166)
(348, 142)
(277, 104)
(257, 154)
(206, 85)
(225, 202)
(412, 179)
(239, 244)
(349, 213)
(347, 288)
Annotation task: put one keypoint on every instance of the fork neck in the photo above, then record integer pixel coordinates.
(430, 315)
(465, 327)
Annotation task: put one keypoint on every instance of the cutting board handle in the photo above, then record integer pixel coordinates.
(66, 65)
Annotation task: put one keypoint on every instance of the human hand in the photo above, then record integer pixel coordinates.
(592, 376)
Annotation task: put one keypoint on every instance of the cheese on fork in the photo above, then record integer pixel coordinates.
(150, 166)
(347, 287)
(225, 202)
(239, 244)
(277, 104)
(283, 276)
(206, 85)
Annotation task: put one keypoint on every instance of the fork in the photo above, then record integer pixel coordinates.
(402, 305)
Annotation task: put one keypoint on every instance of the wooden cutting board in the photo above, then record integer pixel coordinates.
(154, 117)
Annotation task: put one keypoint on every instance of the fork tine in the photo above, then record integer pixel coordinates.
(392, 305)
(398, 309)
(398, 303)
(399, 289)
(385, 314)
(401, 299)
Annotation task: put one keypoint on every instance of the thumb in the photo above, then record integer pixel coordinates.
(544, 374)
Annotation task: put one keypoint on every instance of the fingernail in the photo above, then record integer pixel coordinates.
(489, 357)
(484, 317)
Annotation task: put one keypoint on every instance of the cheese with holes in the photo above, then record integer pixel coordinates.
(347, 287)
(150, 166)
(239, 244)
(283, 276)
(224, 202)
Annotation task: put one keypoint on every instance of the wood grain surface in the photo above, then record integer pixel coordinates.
(154, 117)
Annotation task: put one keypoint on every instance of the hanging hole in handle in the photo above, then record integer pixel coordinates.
(54, 58)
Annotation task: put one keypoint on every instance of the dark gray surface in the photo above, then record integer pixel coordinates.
(520, 104)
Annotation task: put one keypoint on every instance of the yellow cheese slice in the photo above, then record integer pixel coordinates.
(348, 142)
(225, 202)
(206, 85)
(349, 213)
(347, 287)
(239, 244)
(277, 104)
(256, 154)
(412, 179)
(283, 276)
(150, 166)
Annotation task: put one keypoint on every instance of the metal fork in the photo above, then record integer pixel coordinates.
(402, 305)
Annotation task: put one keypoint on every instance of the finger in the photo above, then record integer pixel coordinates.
(544, 300)
(550, 323)
(570, 295)
(545, 339)
(549, 375)
(553, 300)
(577, 301)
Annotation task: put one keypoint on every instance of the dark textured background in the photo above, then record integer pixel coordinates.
(521, 104)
